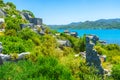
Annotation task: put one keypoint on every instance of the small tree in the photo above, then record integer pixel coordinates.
(1, 3)
(10, 32)
(11, 5)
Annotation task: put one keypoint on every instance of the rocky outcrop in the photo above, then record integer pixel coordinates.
(36, 21)
(64, 43)
(67, 32)
(92, 57)
(22, 55)
(2, 20)
(2, 13)
(6, 57)
(35, 24)
(25, 15)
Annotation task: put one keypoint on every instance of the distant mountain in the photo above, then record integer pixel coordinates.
(99, 24)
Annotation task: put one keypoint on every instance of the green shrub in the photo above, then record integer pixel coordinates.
(46, 68)
(11, 5)
(12, 23)
(88, 73)
(14, 56)
(100, 50)
(112, 47)
(10, 32)
(67, 51)
(26, 34)
(115, 60)
(36, 40)
(111, 54)
(116, 72)
(15, 44)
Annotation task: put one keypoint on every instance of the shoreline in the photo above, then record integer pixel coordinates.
(109, 36)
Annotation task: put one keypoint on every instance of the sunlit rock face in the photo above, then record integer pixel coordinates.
(92, 57)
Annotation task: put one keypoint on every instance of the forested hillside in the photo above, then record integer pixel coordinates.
(99, 24)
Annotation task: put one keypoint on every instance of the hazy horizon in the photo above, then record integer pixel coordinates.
(55, 12)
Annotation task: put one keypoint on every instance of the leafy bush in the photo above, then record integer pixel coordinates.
(1, 33)
(10, 32)
(100, 50)
(14, 56)
(15, 44)
(115, 60)
(11, 5)
(1, 3)
(78, 44)
(67, 51)
(111, 54)
(88, 73)
(13, 23)
(116, 72)
(36, 40)
(72, 63)
(46, 68)
(27, 33)
(112, 47)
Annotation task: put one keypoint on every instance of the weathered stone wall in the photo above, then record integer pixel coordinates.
(92, 57)
(1, 62)
(26, 15)
(36, 21)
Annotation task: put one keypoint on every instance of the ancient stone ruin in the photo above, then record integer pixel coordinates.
(92, 57)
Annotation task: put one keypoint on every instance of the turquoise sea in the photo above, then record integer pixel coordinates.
(110, 36)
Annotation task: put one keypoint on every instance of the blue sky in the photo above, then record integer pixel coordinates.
(67, 11)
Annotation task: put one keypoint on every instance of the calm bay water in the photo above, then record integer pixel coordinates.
(110, 36)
